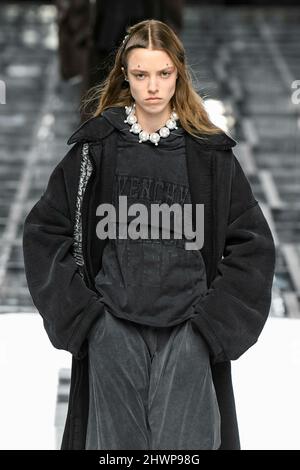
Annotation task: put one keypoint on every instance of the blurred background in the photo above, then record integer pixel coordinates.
(245, 62)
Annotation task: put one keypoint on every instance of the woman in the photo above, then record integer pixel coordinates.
(151, 325)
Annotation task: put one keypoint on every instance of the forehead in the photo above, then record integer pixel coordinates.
(147, 59)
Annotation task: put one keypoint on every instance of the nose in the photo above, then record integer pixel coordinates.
(152, 84)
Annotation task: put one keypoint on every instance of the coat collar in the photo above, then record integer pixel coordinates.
(97, 128)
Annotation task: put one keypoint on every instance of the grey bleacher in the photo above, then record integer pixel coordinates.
(245, 58)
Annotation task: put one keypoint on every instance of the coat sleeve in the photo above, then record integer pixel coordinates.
(68, 307)
(233, 311)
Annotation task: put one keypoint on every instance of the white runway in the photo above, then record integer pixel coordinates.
(266, 381)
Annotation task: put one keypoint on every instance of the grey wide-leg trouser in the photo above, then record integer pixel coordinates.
(150, 388)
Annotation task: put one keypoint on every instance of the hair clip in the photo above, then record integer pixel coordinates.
(125, 38)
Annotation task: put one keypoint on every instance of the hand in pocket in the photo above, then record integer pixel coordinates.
(95, 328)
(200, 337)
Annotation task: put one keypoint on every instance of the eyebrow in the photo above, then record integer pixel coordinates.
(145, 71)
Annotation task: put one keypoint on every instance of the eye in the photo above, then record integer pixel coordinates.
(165, 74)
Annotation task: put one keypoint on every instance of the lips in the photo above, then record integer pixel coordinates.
(153, 99)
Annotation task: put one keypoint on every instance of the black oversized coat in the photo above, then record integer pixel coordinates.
(238, 251)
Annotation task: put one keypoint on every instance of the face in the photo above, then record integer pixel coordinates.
(151, 74)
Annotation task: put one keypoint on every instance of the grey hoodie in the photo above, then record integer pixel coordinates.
(150, 281)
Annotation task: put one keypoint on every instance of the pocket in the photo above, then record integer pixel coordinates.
(201, 341)
(97, 328)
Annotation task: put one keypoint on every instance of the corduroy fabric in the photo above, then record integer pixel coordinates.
(150, 388)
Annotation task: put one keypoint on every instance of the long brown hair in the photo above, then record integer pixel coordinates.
(115, 92)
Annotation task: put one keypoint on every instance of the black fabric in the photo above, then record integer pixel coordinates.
(237, 241)
(151, 281)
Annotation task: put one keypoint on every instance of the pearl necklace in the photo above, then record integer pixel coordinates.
(144, 135)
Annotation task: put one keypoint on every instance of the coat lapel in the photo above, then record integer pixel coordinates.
(209, 167)
(104, 155)
(200, 177)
